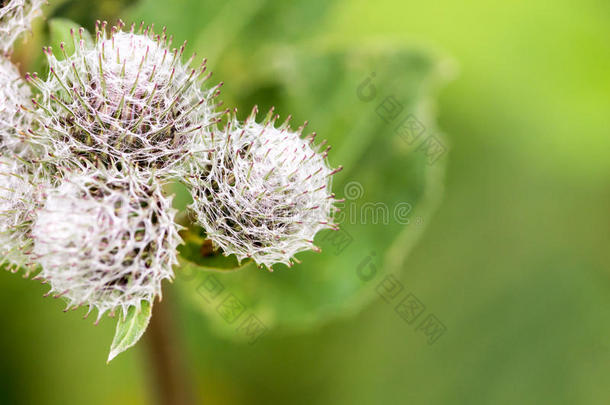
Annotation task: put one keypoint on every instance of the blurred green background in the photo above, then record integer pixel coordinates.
(514, 258)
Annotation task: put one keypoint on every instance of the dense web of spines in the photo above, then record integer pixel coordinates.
(127, 96)
(14, 122)
(20, 195)
(265, 193)
(106, 239)
(15, 18)
(83, 162)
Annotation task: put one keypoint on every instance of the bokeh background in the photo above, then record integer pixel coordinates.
(507, 242)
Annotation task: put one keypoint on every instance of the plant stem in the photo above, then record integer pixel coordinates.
(171, 377)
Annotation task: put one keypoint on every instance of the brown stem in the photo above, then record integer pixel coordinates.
(171, 377)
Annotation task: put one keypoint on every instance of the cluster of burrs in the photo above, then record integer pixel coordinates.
(86, 156)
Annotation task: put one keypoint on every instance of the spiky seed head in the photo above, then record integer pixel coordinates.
(20, 195)
(106, 239)
(266, 193)
(14, 121)
(126, 96)
(15, 18)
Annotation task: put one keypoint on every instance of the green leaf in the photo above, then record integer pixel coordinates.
(321, 86)
(213, 27)
(59, 31)
(130, 328)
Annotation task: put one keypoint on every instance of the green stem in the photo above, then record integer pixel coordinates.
(170, 374)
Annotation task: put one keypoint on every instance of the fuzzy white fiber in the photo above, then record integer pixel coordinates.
(15, 18)
(127, 96)
(18, 201)
(14, 122)
(106, 239)
(266, 193)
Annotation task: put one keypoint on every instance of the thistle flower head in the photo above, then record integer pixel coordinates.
(15, 18)
(127, 96)
(14, 92)
(266, 192)
(105, 239)
(19, 198)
